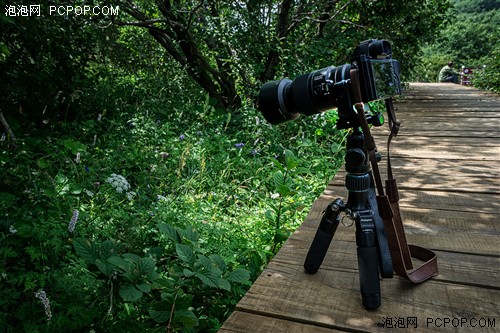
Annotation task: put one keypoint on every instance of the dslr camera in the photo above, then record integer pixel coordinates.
(371, 75)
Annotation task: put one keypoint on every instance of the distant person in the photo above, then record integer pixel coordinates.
(447, 74)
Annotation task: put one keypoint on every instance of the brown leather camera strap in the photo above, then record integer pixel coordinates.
(388, 207)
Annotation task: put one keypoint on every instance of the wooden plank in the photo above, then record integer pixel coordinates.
(439, 166)
(458, 268)
(451, 105)
(446, 230)
(446, 124)
(468, 121)
(478, 203)
(429, 180)
(242, 321)
(427, 148)
(331, 298)
(433, 134)
(452, 112)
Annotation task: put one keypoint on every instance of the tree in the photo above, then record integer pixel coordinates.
(42, 63)
(469, 37)
(230, 47)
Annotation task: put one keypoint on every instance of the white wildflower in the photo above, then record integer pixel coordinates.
(275, 196)
(72, 222)
(12, 230)
(77, 159)
(131, 195)
(119, 183)
(42, 296)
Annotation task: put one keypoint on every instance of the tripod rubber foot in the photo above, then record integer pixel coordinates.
(371, 302)
(317, 251)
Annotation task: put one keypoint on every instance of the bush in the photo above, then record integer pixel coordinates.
(126, 221)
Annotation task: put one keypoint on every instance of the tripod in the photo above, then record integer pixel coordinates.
(372, 246)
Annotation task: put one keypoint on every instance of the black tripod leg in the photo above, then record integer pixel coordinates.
(384, 253)
(368, 262)
(323, 237)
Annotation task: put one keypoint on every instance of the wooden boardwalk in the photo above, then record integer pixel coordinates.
(446, 160)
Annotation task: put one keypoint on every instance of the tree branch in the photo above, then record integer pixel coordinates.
(7, 129)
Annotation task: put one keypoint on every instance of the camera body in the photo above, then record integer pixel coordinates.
(371, 75)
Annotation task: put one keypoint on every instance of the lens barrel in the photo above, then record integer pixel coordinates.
(272, 102)
(308, 94)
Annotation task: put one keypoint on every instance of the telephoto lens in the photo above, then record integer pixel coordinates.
(308, 94)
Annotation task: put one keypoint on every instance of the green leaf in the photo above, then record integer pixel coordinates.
(185, 319)
(306, 143)
(160, 316)
(284, 190)
(188, 272)
(278, 165)
(217, 259)
(61, 179)
(130, 293)
(144, 287)
(160, 311)
(74, 146)
(290, 160)
(133, 257)
(239, 275)
(208, 279)
(223, 284)
(278, 178)
(146, 265)
(120, 263)
(282, 235)
(269, 215)
(185, 253)
(169, 231)
(166, 284)
(188, 234)
(7, 199)
(85, 249)
(335, 147)
(106, 250)
(302, 171)
(207, 263)
(43, 163)
(105, 267)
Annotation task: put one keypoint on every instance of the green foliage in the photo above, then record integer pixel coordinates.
(469, 37)
(177, 294)
(42, 61)
(285, 191)
(489, 76)
(475, 6)
(173, 216)
(134, 202)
